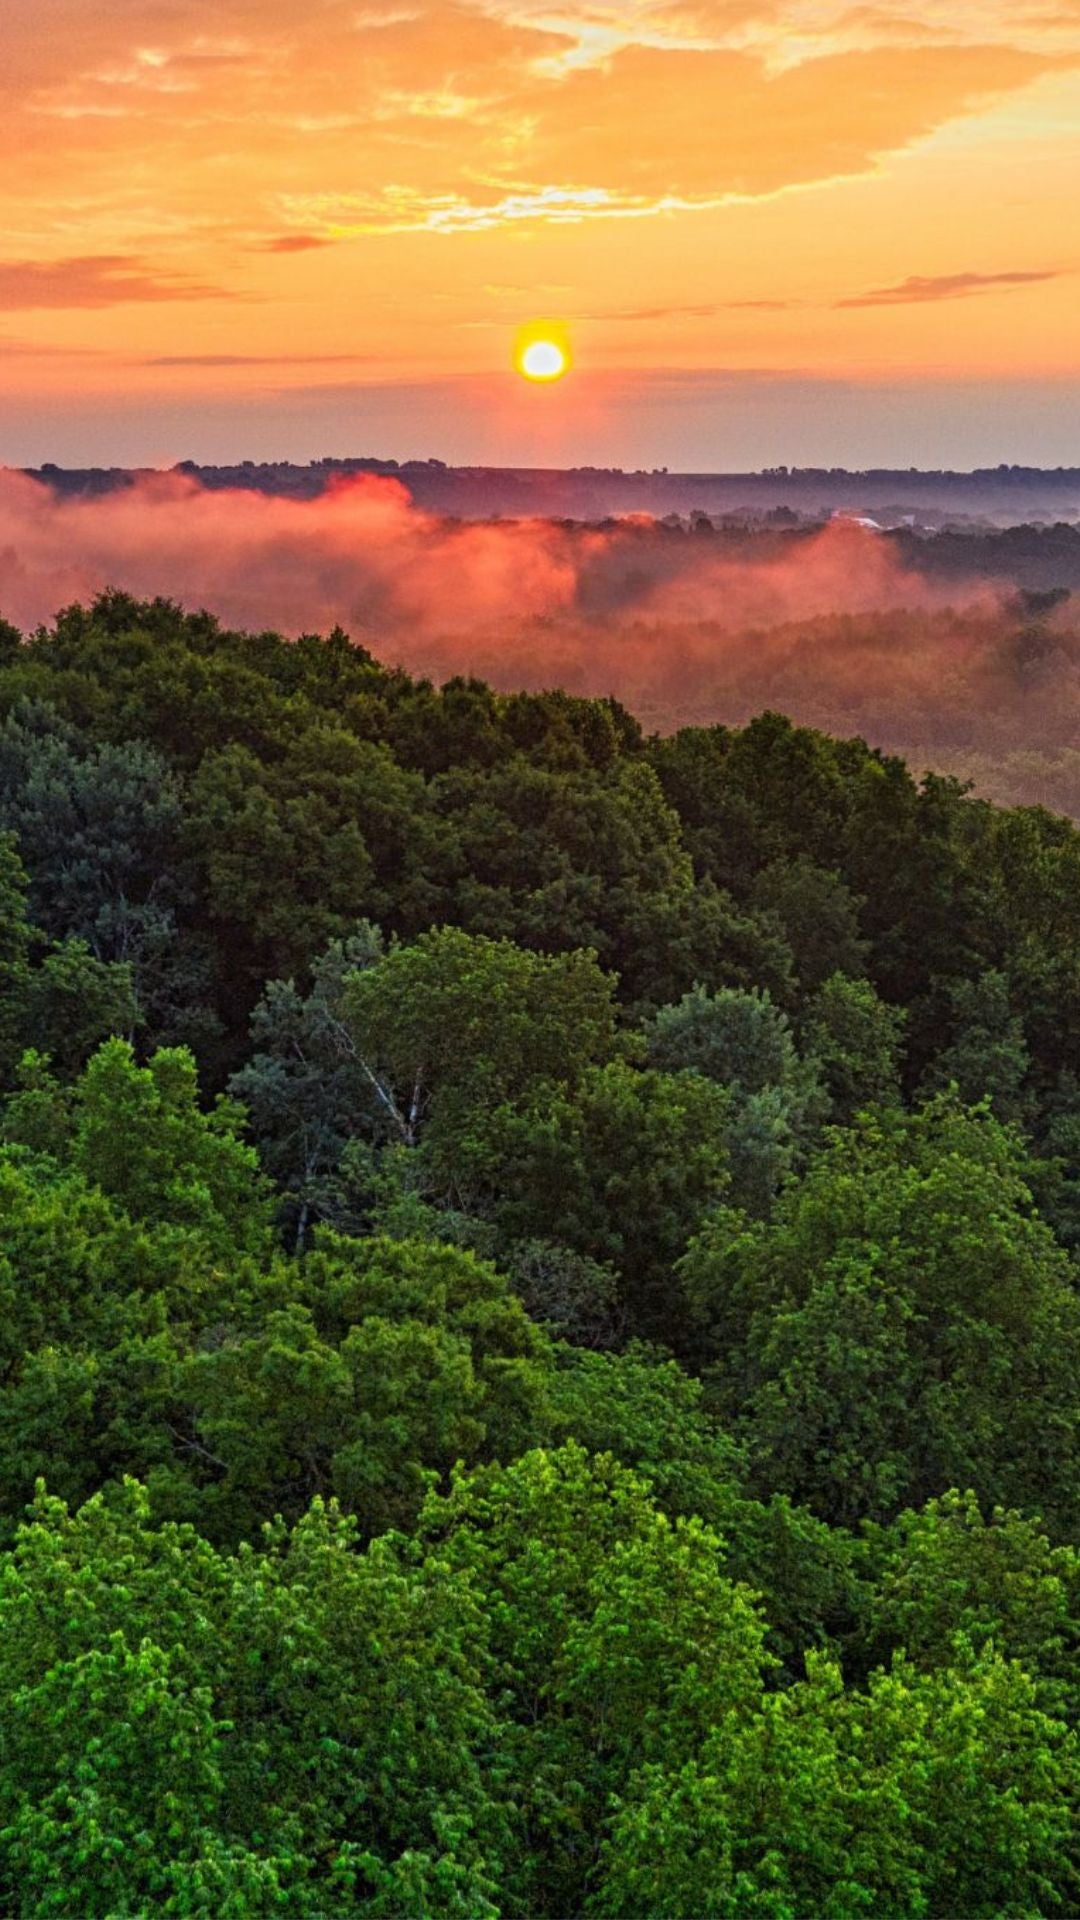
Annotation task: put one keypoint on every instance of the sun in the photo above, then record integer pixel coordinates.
(542, 351)
(543, 360)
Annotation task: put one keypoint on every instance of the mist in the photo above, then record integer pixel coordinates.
(683, 626)
(399, 577)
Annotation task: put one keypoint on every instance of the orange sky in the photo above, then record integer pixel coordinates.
(797, 229)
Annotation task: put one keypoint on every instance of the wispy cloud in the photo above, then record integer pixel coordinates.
(705, 312)
(411, 210)
(920, 288)
(92, 280)
(11, 349)
(257, 359)
(292, 243)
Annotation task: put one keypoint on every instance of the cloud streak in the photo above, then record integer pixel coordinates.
(920, 289)
(691, 312)
(211, 360)
(92, 280)
(292, 243)
(656, 129)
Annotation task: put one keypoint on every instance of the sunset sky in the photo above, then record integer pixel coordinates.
(796, 231)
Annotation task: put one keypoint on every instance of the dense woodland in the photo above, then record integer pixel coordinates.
(540, 1315)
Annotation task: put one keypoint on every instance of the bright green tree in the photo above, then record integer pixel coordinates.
(905, 1324)
(614, 1638)
(299, 1729)
(939, 1794)
(400, 1360)
(945, 1576)
(140, 1135)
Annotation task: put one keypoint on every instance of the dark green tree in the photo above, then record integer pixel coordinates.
(744, 1042)
(14, 956)
(854, 1041)
(819, 915)
(305, 1090)
(458, 1023)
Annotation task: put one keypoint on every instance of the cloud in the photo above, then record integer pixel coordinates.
(656, 313)
(707, 312)
(362, 553)
(715, 125)
(37, 350)
(293, 243)
(92, 280)
(920, 288)
(789, 32)
(257, 360)
(658, 129)
(455, 118)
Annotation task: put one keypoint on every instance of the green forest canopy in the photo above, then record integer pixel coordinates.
(541, 1333)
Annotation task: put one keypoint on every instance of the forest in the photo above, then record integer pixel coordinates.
(540, 1304)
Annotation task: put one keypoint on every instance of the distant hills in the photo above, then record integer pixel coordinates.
(1000, 496)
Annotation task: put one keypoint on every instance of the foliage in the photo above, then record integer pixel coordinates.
(304, 1090)
(538, 1270)
(300, 1728)
(854, 1042)
(14, 954)
(744, 1042)
(904, 1324)
(948, 1793)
